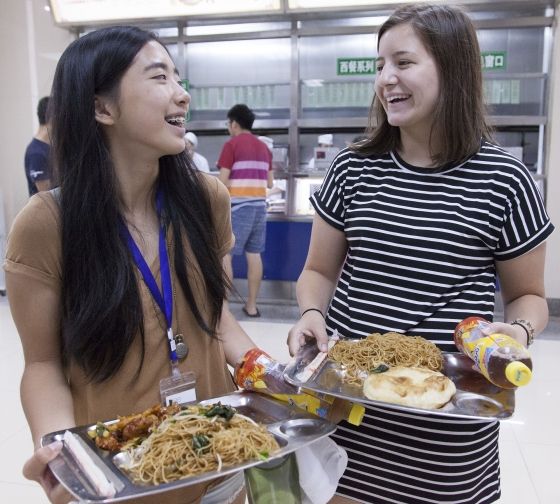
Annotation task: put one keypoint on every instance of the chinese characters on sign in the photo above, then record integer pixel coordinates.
(493, 60)
(355, 66)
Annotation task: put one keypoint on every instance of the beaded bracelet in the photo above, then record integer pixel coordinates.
(528, 327)
(312, 309)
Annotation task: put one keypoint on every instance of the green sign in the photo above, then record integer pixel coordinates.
(493, 60)
(355, 66)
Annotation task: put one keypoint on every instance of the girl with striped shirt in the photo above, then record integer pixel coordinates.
(419, 221)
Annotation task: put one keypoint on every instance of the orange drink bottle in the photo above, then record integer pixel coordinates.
(259, 372)
(501, 359)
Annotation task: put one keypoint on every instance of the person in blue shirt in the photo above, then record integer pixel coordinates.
(37, 169)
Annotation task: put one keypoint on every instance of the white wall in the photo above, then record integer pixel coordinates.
(30, 45)
(552, 273)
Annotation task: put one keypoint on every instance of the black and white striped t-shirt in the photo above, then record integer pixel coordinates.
(422, 242)
(411, 458)
(421, 250)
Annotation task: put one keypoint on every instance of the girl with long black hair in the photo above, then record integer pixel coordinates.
(130, 206)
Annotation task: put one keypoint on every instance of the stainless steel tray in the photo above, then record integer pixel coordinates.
(292, 427)
(475, 396)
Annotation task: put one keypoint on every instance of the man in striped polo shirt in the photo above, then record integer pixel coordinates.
(245, 165)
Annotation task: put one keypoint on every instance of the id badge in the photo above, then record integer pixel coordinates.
(179, 388)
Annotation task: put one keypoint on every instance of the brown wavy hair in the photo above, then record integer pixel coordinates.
(450, 37)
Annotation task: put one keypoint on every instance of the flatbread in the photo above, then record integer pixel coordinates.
(410, 386)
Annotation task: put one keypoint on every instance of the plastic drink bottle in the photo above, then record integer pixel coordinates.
(276, 482)
(501, 359)
(334, 409)
(259, 372)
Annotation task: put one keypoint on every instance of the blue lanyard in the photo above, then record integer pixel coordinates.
(164, 298)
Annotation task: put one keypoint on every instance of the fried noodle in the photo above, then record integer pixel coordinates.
(191, 443)
(393, 349)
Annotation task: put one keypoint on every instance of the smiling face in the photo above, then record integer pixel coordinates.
(407, 82)
(149, 116)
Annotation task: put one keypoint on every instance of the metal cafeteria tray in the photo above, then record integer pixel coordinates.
(293, 428)
(475, 395)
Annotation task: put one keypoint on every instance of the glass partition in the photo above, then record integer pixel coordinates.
(513, 65)
(224, 73)
(523, 48)
(336, 74)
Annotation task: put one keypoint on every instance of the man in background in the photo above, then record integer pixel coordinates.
(191, 143)
(245, 165)
(325, 140)
(37, 168)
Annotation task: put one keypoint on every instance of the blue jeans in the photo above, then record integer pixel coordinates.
(248, 223)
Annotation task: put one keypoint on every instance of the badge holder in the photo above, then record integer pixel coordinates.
(180, 387)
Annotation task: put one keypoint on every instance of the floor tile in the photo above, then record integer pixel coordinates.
(529, 441)
(13, 493)
(538, 404)
(506, 432)
(20, 448)
(271, 337)
(517, 486)
(543, 464)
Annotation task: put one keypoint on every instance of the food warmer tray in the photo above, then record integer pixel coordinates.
(292, 427)
(475, 395)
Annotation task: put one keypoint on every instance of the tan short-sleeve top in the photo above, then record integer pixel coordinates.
(34, 253)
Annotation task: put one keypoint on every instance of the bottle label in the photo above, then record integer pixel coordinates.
(306, 402)
(483, 348)
(250, 371)
(329, 399)
(468, 332)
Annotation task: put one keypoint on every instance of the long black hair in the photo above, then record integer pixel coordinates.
(450, 37)
(101, 306)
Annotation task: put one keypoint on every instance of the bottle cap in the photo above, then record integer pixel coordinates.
(356, 414)
(518, 373)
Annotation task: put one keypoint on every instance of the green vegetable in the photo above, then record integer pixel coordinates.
(100, 428)
(200, 441)
(221, 410)
(380, 369)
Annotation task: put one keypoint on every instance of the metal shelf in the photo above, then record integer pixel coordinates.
(522, 120)
(216, 125)
(331, 123)
(308, 174)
